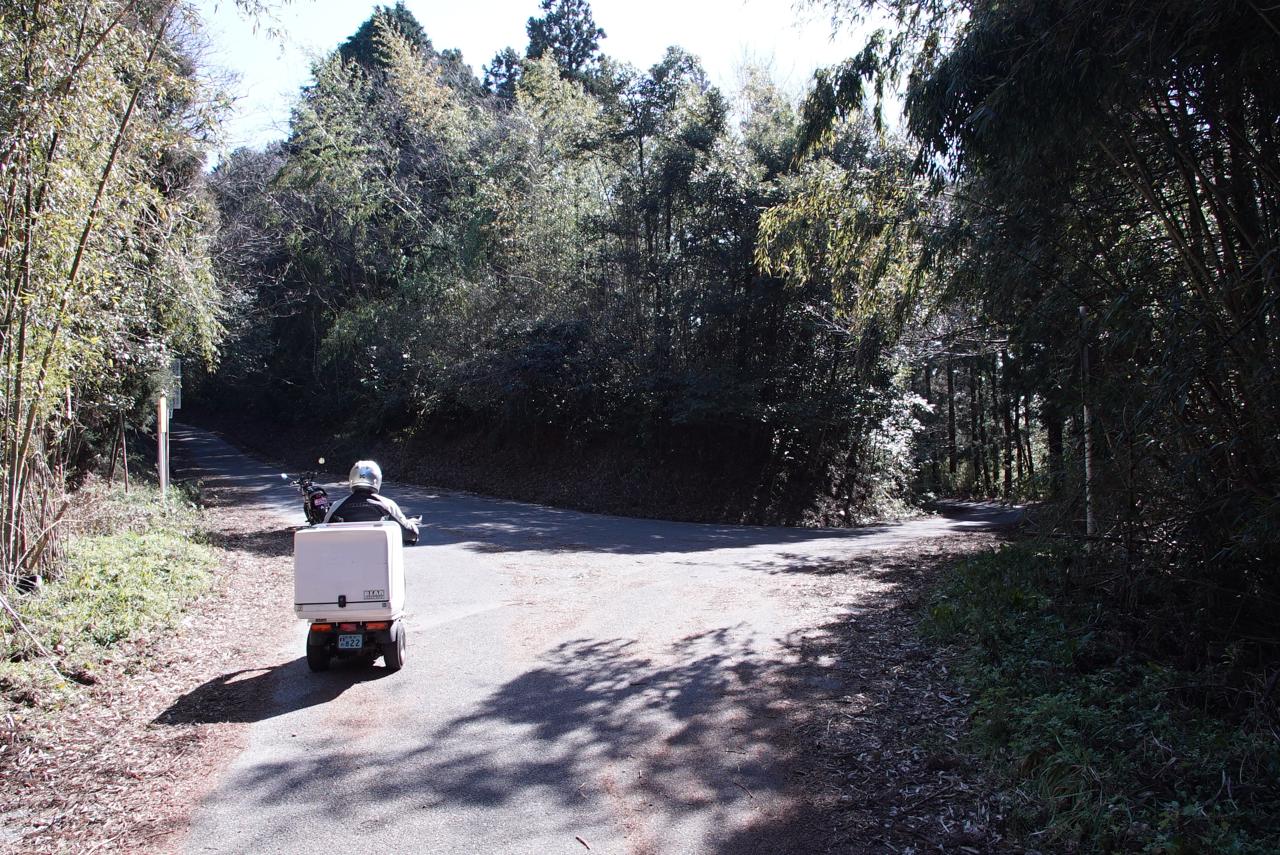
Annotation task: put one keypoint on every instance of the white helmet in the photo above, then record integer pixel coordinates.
(366, 474)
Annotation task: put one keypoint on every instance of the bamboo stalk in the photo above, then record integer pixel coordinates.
(34, 551)
(16, 487)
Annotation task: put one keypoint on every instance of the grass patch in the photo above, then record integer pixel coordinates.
(1107, 749)
(130, 567)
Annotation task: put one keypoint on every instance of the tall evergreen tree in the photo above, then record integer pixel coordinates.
(502, 74)
(568, 33)
(362, 47)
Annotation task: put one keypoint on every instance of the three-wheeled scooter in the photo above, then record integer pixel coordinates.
(348, 581)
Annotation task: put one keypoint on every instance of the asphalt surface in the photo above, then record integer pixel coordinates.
(574, 683)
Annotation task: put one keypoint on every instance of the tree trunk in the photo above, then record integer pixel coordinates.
(992, 442)
(1008, 426)
(935, 465)
(983, 446)
(951, 415)
(1017, 438)
(1051, 415)
(1086, 429)
(1026, 433)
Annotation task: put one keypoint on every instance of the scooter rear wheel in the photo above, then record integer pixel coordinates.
(393, 652)
(317, 657)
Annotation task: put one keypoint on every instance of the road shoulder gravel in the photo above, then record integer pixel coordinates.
(877, 759)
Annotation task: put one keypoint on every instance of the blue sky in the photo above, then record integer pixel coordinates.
(723, 33)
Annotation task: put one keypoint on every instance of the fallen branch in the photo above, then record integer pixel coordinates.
(21, 626)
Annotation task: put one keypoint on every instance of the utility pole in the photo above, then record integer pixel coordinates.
(1090, 522)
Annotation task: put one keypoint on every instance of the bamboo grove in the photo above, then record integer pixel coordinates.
(1112, 172)
(103, 242)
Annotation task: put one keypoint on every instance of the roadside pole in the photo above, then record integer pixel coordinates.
(162, 442)
(124, 451)
(170, 400)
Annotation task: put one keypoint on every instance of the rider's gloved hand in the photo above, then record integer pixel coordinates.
(410, 534)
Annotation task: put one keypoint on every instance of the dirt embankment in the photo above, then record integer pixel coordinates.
(714, 487)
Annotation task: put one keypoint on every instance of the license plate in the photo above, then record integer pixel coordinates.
(350, 642)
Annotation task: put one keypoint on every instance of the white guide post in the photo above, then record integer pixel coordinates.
(162, 442)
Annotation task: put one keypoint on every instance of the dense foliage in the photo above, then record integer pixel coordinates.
(568, 260)
(1111, 171)
(1108, 749)
(104, 235)
(576, 255)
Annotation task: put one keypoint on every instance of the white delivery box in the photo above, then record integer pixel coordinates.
(348, 571)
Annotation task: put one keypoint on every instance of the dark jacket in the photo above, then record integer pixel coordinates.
(364, 505)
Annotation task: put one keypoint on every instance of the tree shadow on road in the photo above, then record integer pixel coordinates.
(256, 694)
(716, 740)
(843, 742)
(493, 525)
(882, 751)
(694, 735)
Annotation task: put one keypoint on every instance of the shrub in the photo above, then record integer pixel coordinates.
(1109, 749)
(131, 567)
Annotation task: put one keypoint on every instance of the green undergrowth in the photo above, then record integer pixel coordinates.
(131, 564)
(1105, 748)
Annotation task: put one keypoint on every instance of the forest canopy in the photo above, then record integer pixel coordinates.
(1056, 281)
(569, 256)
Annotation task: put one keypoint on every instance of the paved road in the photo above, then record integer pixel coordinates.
(573, 681)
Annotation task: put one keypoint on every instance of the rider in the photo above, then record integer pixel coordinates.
(366, 505)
